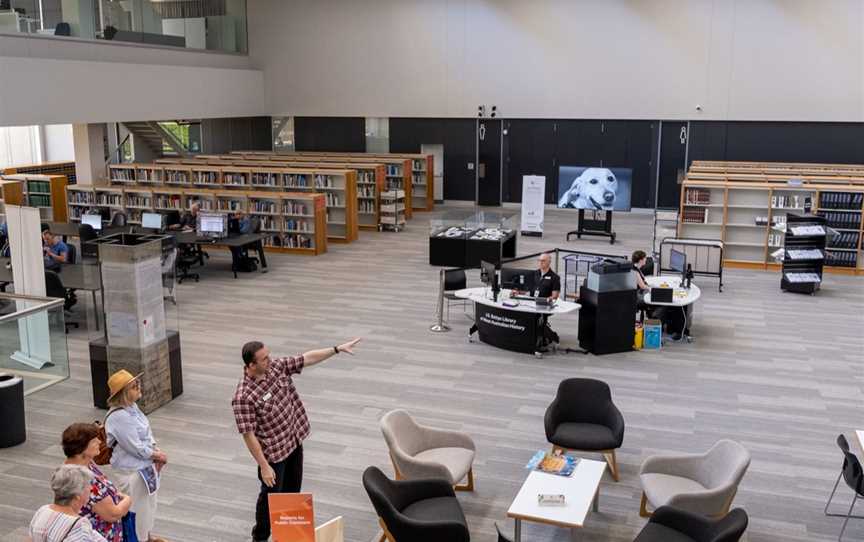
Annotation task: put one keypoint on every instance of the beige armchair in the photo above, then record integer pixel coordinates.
(701, 483)
(419, 451)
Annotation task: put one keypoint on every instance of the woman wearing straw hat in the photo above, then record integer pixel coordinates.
(136, 460)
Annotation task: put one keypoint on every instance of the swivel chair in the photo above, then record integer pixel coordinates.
(54, 288)
(119, 219)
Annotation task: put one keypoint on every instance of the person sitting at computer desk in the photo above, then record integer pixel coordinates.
(242, 224)
(672, 317)
(55, 251)
(547, 284)
(189, 219)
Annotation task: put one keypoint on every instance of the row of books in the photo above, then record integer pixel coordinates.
(263, 179)
(846, 239)
(324, 181)
(840, 200)
(81, 197)
(264, 206)
(332, 199)
(366, 207)
(850, 221)
(104, 198)
(795, 201)
(367, 177)
(234, 179)
(394, 169)
(296, 181)
(294, 208)
(367, 191)
(206, 177)
(694, 215)
(419, 178)
(292, 224)
(697, 196)
(176, 177)
(775, 240)
(841, 259)
(39, 200)
(138, 201)
(149, 175)
(168, 202)
(123, 175)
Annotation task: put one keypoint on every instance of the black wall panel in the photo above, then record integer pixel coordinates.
(236, 134)
(334, 134)
(529, 149)
(817, 142)
(459, 139)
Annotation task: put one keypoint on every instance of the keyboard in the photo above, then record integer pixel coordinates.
(524, 297)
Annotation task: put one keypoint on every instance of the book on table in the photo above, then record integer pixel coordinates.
(558, 464)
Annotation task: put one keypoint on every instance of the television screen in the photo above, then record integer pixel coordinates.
(594, 188)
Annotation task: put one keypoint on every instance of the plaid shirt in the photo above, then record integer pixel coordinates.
(271, 409)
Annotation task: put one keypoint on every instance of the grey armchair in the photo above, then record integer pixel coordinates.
(419, 451)
(701, 483)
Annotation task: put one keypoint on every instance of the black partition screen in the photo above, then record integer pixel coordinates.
(333, 134)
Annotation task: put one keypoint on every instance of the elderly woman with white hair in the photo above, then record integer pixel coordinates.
(60, 521)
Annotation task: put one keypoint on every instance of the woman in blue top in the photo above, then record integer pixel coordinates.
(136, 461)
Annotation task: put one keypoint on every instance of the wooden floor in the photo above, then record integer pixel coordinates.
(781, 373)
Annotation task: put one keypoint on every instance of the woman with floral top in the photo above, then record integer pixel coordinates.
(106, 506)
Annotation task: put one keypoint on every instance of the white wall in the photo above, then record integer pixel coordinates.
(51, 81)
(737, 59)
(59, 144)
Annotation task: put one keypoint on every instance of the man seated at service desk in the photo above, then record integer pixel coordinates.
(240, 223)
(55, 251)
(547, 284)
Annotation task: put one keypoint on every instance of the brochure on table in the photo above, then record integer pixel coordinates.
(533, 197)
(292, 518)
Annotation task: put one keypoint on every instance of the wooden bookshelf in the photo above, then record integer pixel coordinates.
(742, 210)
(45, 192)
(11, 193)
(294, 221)
(339, 186)
(397, 175)
(46, 168)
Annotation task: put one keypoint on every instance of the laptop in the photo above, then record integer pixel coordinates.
(661, 295)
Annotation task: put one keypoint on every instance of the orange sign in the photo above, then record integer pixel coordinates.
(291, 517)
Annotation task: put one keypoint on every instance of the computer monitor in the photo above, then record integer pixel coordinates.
(489, 276)
(212, 225)
(94, 221)
(153, 221)
(518, 279)
(678, 263)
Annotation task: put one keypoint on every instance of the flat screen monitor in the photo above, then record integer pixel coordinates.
(152, 221)
(677, 261)
(212, 225)
(94, 221)
(594, 188)
(518, 279)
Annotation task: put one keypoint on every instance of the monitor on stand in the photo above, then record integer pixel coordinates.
(678, 264)
(94, 221)
(489, 276)
(519, 279)
(213, 225)
(152, 221)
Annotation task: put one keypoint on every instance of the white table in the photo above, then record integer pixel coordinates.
(483, 295)
(860, 435)
(581, 491)
(683, 298)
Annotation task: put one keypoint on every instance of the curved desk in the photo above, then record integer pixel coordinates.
(510, 327)
(683, 298)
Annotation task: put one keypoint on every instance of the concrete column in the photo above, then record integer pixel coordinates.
(89, 143)
(80, 14)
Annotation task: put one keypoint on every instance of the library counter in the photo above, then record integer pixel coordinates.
(511, 324)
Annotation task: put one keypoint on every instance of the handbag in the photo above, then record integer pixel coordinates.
(128, 523)
(105, 451)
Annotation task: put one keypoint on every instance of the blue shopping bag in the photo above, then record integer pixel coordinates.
(128, 523)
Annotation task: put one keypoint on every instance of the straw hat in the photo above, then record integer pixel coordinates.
(119, 380)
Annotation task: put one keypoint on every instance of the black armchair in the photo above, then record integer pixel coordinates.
(582, 417)
(416, 510)
(669, 523)
(853, 474)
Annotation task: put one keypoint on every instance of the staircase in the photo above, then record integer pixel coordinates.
(154, 136)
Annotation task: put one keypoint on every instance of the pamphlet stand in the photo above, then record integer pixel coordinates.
(594, 226)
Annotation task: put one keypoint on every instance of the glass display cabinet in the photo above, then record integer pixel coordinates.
(465, 238)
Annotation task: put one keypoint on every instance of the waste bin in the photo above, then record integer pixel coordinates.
(12, 430)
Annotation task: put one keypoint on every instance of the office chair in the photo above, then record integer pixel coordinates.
(86, 234)
(54, 288)
(187, 256)
(119, 219)
(852, 473)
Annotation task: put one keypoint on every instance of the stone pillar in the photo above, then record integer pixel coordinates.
(89, 143)
(135, 314)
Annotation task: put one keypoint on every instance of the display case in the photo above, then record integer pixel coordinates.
(465, 238)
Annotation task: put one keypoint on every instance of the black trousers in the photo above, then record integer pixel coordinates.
(289, 477)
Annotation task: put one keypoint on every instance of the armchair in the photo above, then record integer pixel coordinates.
(670, 523)
(416, 510)
(418, 451)
(701, 483)
(583, 417)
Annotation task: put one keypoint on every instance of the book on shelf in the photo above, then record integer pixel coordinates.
(846, 239)
(842, 220)
(296, 181)
(694, 215)
(841, 200)
(841, 258)
(697, 196)
(176, 177)
(794, 201)
(263, 179)
(295, 208)
(234, 179)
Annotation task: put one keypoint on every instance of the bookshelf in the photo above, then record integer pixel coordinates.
(339, 186)
(294, 221)
(742, 210)
(12, 193)
(45, 192)
(46, 168)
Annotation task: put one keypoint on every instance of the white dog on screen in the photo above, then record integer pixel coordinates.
(595, 189)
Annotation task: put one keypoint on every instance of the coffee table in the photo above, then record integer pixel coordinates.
(860, 439)
(581, 491)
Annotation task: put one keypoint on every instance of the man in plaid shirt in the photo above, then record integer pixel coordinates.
(273, 422)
